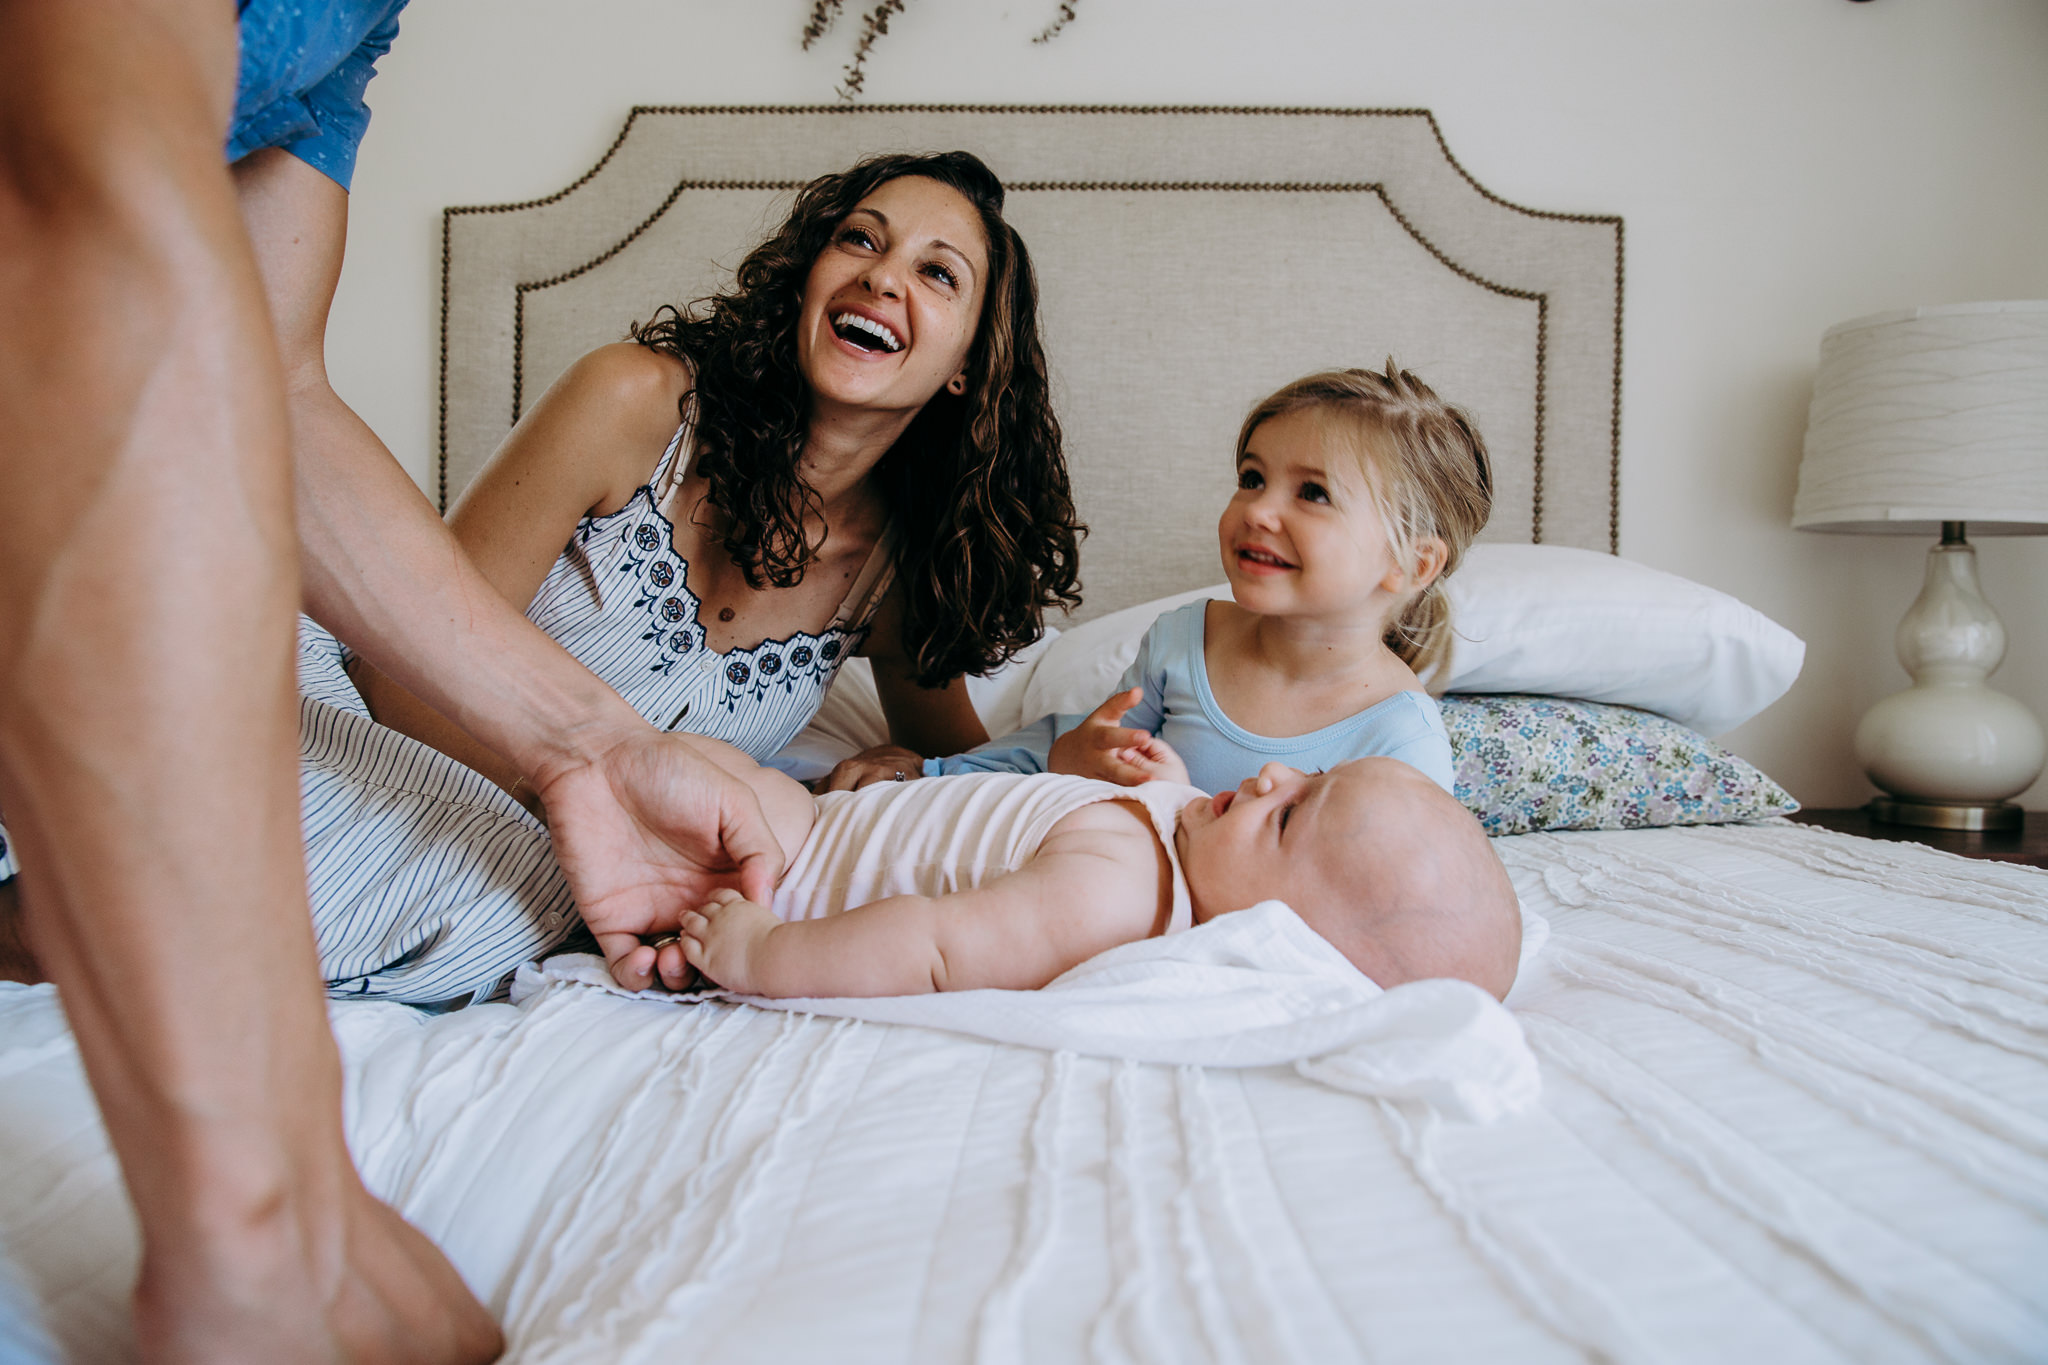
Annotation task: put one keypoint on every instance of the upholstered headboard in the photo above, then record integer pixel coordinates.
(1189, 262)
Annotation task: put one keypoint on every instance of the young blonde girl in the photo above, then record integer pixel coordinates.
(1358, 492)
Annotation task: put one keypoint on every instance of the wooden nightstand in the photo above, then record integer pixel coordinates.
(2027, 845)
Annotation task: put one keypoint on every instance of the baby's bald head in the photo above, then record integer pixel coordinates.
(1422, 894)
(1374, 856)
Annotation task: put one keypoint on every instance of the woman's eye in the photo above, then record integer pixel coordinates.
(1314, 492)
(1285, 811)
(942, 274)
(1250, 480)
(855, 236)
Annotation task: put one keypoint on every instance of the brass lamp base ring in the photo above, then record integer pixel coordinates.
(1995, 815)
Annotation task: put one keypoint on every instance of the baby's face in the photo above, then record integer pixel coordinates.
(1374, 856)
(1282, 835)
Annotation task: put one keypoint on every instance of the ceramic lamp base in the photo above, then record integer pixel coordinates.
(1949, 745)
(1996, 815)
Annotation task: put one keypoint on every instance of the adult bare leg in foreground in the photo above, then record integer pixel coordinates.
(149, 577)
(148, 718)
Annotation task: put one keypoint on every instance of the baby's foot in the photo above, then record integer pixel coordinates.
(726, 940)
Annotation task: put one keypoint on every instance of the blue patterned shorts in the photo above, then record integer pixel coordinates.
(304, 67)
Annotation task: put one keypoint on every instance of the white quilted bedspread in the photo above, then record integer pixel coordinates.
(1794, 1108)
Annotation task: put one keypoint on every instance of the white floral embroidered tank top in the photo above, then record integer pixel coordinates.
(619, 599)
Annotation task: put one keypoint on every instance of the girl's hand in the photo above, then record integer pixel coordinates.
(1097, 746)
(726, 939)
(883, 763)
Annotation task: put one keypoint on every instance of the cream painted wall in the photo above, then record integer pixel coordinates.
(1782, 165)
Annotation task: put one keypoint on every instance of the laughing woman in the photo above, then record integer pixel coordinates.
(851, 451)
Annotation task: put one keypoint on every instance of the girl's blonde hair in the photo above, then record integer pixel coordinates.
(1426, 466)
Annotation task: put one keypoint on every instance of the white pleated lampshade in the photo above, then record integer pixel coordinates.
(1930, 415)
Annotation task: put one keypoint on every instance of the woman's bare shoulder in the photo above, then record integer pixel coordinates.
(633, 385)
(608, 416)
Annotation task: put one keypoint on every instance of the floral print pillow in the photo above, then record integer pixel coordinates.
(1534, 763)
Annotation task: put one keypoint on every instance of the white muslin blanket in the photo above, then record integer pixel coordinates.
(1249, 989)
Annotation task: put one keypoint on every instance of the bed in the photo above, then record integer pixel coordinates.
(1793, 1085)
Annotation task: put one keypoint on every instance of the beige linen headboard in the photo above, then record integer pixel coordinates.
(1189, 262)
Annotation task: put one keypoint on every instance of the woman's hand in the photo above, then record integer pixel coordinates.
(883, 763)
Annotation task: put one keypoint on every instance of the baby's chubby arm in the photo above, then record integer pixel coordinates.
(790, 811)
(1100, 879)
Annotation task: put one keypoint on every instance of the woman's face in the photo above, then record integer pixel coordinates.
(891, 303)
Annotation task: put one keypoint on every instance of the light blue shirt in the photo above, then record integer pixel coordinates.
(1179, 708)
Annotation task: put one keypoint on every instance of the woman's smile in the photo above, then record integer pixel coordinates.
(864, 332)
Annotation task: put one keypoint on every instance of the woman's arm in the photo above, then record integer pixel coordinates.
(589, 443)
(922, 720)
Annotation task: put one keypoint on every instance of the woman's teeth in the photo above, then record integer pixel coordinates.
(866, 332)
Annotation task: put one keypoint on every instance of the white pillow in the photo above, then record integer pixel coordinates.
(998, 697)
(1084, 665)
(851, 718)
(1563, 622)
(1543, 619)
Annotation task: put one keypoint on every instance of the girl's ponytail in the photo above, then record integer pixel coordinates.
(1421, 635)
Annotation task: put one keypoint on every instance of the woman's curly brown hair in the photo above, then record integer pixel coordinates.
(977, 484)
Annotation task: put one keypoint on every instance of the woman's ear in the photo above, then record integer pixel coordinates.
(957, 385)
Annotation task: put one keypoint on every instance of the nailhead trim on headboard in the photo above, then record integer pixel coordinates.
(1542, 302)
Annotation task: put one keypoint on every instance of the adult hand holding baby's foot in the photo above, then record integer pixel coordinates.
(725, 939)
(1102, 747)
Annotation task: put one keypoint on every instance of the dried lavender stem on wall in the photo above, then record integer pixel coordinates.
(875, 26)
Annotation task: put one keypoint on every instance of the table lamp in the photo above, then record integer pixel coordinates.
(1935, 420)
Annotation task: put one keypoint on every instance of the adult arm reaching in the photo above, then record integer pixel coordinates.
(641, 825)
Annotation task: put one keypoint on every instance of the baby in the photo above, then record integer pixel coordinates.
(1008, 880)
